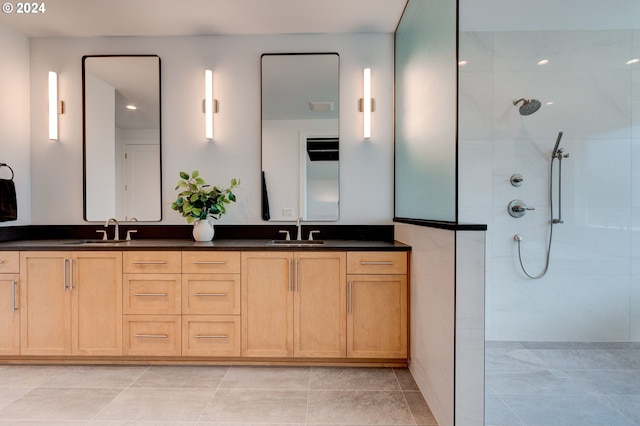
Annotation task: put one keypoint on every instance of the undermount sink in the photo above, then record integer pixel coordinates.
(296, 242)
(85, 242)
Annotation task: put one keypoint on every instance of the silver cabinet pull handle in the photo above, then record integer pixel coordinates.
(152, 336)
(203, 262)
(350, 297)
(160, 262)
(383, 262)
(211, 294)
(70, 274)
(289, 274)
(13, 296)
(64, 274)
(152, 294)
(222, 336)
(296, 274)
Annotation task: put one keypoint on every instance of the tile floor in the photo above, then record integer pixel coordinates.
(562, 383)
(208, 395)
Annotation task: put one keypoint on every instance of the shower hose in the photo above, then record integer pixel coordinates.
(552, 221)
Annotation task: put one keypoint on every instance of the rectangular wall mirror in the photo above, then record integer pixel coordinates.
(122, 138)
(300, 137)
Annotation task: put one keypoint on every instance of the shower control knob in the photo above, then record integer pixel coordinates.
(516, 179)
(518, 208)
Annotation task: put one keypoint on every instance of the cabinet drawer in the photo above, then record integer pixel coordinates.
(155, 335)
(158, 262)
(219, 262)
(9, 262)
(211, 335)
(376, 262)
(151, 294)
(211, 294)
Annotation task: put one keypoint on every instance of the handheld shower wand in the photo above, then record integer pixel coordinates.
(558, 154)
(555, 148)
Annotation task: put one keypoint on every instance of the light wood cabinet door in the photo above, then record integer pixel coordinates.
(154, 335)
(377, 316)
(211, 294)
(9, 314)
(319, 304)
(267, 304)
(152, 294)
(45, 303)
(71, 303)
(211, 335)
(96, 303)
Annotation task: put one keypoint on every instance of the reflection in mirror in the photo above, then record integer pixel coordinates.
(300, 137)
(121, 101)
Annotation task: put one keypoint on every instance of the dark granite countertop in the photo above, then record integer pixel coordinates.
(185, 244)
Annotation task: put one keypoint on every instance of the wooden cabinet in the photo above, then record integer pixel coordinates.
(293, 304)
(211, 304)
(319, 307)
(71, 303)
(152, 303)
(255, 304)
(9, 303)
(377, 305)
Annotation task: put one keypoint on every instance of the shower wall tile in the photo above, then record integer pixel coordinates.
(475, 48)
(592, 289)
(565, 50)
(475, 157)
(601, 112)
(475, 93)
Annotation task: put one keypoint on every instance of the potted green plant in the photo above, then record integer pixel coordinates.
(200, 202)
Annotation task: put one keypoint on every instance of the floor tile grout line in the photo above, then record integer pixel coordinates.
(213, 395)
(123, 390)
(404, 397)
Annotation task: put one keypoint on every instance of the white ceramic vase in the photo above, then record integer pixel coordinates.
(203, 230)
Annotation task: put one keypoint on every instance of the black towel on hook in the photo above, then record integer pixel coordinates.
(8, 202)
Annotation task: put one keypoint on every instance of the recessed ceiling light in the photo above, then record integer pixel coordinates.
(633, 61)
(132, 107)
(543, 62)
(462, 63)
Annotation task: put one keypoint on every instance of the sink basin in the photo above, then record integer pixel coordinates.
(296, 242)
(97, 242)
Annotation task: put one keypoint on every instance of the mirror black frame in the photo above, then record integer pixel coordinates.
(264, 210)
(84, 130)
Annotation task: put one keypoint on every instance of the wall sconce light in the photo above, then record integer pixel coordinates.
(210, 105)
(55, 107)
(366, 104)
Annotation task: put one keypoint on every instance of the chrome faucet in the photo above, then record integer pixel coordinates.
(299, 226)
(116, 234)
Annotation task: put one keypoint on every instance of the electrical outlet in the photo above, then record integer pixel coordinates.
(287, 212)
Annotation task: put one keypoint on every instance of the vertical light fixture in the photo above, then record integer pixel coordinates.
(53, 106)
(366, 103)
(208, 104)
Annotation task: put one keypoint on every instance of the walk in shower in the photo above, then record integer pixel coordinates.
(561, 349)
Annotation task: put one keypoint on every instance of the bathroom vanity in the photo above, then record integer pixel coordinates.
(177, 301)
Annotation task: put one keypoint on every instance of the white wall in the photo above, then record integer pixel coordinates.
(101, 182)
(366, 167)
(592, 289)
(14, 118)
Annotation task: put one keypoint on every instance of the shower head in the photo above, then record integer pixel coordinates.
(529, 106)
